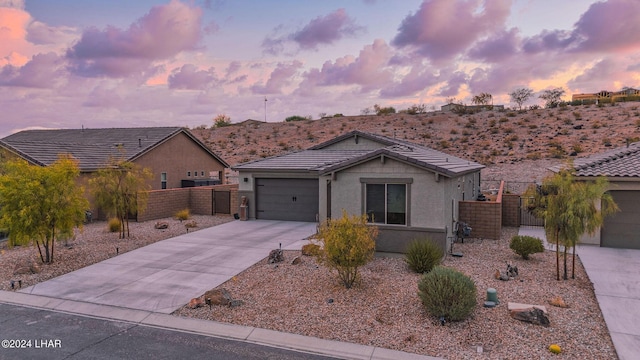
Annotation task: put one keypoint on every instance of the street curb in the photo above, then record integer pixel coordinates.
(312, 345)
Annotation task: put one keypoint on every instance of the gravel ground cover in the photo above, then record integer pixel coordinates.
(92, 244)
(384, 309)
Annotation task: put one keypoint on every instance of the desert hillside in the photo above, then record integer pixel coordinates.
(502, 140)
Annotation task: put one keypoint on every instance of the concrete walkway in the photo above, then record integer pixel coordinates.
(615, 274)
(164, 276)
(145, 285)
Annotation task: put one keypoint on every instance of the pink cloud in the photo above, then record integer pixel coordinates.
(496, 48)
(41, 33)
(191, 78)
(417, 80)
(280, 77)
(441, 29)
(610, 26)
(369, 70)
(320, 31)
(164, 32)
(42, 71)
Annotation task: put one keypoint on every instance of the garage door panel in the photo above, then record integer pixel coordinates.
(622, 230)
(287, 199)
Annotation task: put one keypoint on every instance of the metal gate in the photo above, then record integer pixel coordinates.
(526, 217)
(221, 202)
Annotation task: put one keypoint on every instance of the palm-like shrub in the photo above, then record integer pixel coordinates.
(524, 245)
(423, 255)
(183, 214)
(447, 293)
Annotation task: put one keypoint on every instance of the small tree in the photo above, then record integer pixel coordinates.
(347, 243)
(221, 120)
(552, 97)
(482, 99)
(41, 204)
(570, 209)
(121, 190)
(521, 96)
(383, 110)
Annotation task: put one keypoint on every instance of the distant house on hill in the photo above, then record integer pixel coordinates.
(627, 94)
(453, 107)
(175, 156)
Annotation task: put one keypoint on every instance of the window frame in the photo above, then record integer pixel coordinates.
(388, 181)
(163, 180)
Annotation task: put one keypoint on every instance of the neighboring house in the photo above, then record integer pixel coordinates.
(409, 190)
(174, 155)
(630, 93)
(621, 167)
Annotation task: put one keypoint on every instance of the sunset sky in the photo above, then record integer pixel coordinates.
(123, 63)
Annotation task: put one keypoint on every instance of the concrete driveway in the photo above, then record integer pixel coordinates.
(164, 276)
(615, 274)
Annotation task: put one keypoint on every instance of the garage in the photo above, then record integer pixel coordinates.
(622, 229)
(287, 199)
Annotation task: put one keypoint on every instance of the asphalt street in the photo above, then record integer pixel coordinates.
(44, 334)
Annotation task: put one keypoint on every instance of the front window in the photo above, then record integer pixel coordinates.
(386, 203)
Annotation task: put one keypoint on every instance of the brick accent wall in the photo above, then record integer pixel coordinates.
(484, 217)
(511, 210)
(199, 200)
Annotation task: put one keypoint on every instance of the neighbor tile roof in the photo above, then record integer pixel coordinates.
(91, 147)
(620, 162)
(320, 160)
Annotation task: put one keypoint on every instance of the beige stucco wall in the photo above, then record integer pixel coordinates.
(615, 185)
(177, 156)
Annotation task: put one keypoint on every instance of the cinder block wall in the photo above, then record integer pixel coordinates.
(165, 203)
(511, 210)
(484, 217)
(199, 200)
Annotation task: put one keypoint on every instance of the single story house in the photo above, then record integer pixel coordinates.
(621, 167)
(408, 190)
(174, 155)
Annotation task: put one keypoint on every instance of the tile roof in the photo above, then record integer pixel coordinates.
(92, 147)
(322, 161)
(620, 162)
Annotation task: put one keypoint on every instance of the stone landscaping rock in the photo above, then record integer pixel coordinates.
(558, 302)
(27, 268)
(196, 303)
(297, 260)
(218, 296)
(191, 224)
(535, 314)
(276, 256)
(161, 225)
(532, 315)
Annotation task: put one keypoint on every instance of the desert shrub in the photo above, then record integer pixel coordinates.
(526, 245)
(423, 255)
(114, 225)
(347, 244)
(221, 120)
(183, 214)
(295, 118)
(447, 293)
(310, 249)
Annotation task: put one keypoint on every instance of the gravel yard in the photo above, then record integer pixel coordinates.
(92, 244)
(383, 309)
